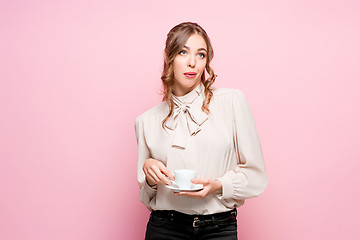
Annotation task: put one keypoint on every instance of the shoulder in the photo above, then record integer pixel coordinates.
(153, 113)
(229, 98)
(229, 93)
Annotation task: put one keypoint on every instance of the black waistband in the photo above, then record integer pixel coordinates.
(197, 220)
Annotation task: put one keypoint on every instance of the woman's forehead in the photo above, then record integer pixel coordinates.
(195, 42)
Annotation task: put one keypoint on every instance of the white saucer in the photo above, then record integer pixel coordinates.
(195, 187)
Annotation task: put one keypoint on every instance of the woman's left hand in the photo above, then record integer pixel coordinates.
(210, 186)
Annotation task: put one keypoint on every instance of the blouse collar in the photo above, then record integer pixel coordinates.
(187, 117)
(190, 96)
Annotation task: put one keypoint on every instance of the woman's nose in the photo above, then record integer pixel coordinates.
(191, 61)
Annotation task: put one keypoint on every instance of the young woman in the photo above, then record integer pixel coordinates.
(196, 127)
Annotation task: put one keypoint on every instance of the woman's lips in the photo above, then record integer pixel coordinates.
(190, 74)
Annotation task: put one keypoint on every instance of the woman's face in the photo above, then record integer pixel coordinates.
(189, 65)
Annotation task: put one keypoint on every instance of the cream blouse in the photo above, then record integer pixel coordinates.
(223, 145)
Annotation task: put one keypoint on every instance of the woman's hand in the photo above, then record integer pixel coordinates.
(156, 172)
(210, 186)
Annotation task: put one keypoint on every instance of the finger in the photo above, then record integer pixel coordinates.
(200, 181)
(194, 193)
(198, 195)
(153, 176)
(163, 173)
(162, 178)
(196, 181)
(167, 172)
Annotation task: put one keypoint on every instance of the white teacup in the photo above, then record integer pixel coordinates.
(183, 178)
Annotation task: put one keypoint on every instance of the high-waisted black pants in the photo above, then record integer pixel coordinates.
(173, 225)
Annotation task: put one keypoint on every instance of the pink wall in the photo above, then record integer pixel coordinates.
(75, 74)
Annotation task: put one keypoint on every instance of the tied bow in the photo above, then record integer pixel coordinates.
(186, 120)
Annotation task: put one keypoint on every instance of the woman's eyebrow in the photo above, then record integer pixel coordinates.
(198, 49)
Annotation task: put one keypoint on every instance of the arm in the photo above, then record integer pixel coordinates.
(249, 178)
(146, 192)
(150, 172)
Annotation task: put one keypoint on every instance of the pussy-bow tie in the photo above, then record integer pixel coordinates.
(186, 119)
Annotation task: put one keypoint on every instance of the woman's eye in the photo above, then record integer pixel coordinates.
(201, 55)
(182, 52)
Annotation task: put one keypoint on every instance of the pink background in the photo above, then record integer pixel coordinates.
(75, 74)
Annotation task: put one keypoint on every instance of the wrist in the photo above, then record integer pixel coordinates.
(218, 186)
(151, 184)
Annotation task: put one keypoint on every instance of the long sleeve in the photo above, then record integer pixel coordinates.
(249, 178)
(146, 192)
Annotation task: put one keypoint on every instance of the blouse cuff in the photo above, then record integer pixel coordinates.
(227, 186)
(150, 190)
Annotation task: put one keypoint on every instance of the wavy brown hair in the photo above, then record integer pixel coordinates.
(176, 39)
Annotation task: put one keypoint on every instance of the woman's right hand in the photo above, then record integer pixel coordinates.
(156, 172)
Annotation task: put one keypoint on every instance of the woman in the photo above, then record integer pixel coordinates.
(196, 127)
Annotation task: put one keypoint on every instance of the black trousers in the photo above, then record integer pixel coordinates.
(173, 225)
